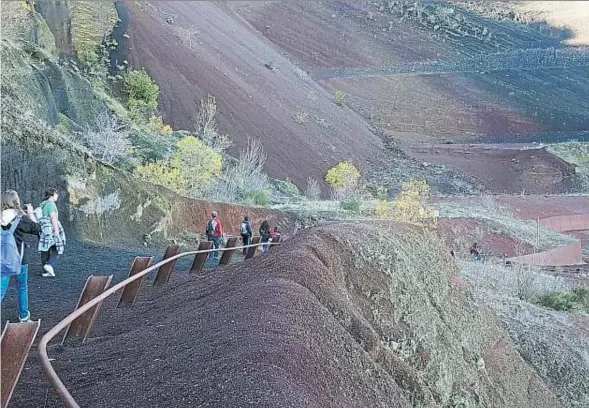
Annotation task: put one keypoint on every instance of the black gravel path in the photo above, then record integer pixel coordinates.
(52, 299)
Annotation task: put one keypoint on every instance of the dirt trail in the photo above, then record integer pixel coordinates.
(52, 299)
(518, 60)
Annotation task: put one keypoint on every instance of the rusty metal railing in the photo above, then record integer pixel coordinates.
(67, 399)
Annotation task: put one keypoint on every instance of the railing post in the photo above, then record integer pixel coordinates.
(17, 339)
(251, 251)
(94, 287)
(228, 253)
(200, 259)
(131, 291)
(165, 271)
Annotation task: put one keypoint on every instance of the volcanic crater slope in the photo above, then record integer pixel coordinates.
(340, 315)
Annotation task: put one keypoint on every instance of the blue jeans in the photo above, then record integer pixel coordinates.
(216, 245)
(22, 286)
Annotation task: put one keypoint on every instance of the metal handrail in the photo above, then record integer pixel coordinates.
(56, 382)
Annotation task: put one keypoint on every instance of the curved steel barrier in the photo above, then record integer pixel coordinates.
(56, 382)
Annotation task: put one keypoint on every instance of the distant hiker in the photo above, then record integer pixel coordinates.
(475, 252)
(246, 232)
(264, 234)
(214, 233)
(15, 262)
(52, 240)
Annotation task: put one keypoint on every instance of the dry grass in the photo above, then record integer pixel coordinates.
(501, 220)
(404, 279)
(92, 21)
(301, 117)
(548, 340)
(576, 153)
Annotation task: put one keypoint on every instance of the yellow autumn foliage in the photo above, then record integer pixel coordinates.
(193, 168)
(409, 205)
(156, 123)
(166, 173)
(343, 176)
(382, 209)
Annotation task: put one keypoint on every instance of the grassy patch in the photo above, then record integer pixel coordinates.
(352, 204)
(577, 299)
(340, 98)
(576, 153)
(501, 220)
(92, 21)
(256, 197)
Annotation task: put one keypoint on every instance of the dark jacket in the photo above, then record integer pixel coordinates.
(264, 231)
(248, 228)
(26, 226)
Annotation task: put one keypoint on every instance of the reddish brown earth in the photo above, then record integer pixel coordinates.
(189, 215)
(227, 60)
(583, 236)
(297, 328)
(529, 207)
(356, 39)
(459, 234)
(291, 109)
(438, 108)
(339, 34)
(503, 170)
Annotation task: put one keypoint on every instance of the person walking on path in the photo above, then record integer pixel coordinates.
(52, 240)
(475, 252)
(264, 235)
(214, 231)
(15, 224)
(246, 233)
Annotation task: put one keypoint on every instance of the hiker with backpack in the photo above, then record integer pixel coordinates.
(214, 232)
(15, 225)
(264, 234)
(52, 240)
(246, 233)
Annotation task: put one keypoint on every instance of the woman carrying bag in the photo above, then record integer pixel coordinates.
(15, 225)
(52, 239)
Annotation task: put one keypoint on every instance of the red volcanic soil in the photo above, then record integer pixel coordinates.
(460, 234)
(439, 106)
(502, 170)
(301, 326)
(357, 41)
(340, 34)
(530, 207)
(304, 133)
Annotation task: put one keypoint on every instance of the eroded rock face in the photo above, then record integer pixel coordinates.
(100, 203)
(112, 205)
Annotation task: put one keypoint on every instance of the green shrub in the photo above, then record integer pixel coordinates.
(352, 204)
(256, 197)
(340, 98)
(559, 300)
(142, 90)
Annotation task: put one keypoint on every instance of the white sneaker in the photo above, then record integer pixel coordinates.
(26, 319)
(49, 272)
